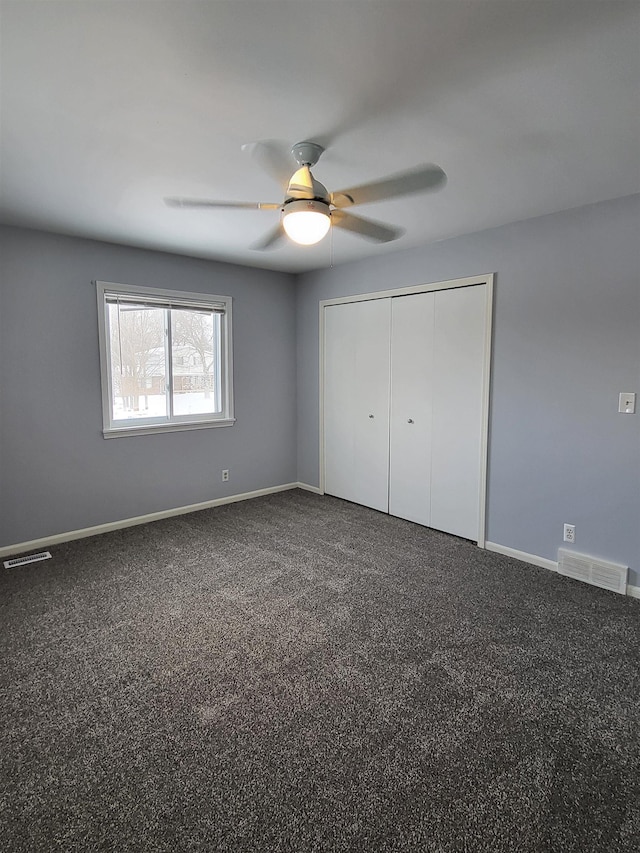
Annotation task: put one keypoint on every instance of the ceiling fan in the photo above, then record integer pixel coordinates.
(309, 209)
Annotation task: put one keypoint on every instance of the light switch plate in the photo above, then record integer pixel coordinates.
(627, 403)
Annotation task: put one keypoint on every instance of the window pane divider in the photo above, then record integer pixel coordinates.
(168, 362)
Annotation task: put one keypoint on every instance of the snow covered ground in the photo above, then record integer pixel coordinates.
(155, 406)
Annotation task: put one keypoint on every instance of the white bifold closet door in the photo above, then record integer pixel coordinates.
(438, 362)
(458, 420)
(403, 405)
(356, 402)
(412, 319)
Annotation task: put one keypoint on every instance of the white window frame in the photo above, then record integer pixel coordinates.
(169, 298)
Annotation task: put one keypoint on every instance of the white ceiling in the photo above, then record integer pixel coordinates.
(530, 106)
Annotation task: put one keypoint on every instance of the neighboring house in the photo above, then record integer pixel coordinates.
(146, 378)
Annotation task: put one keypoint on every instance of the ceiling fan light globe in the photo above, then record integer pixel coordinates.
(306, 222)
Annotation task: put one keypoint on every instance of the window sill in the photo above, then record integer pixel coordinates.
(150, 429)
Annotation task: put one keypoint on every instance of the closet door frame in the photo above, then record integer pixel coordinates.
(488, 280)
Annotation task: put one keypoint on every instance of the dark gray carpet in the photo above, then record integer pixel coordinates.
(297, 674)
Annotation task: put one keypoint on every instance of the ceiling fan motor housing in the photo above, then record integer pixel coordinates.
(304, 186)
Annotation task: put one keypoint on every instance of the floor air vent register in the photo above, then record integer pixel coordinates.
(23, 561)
(590, 570)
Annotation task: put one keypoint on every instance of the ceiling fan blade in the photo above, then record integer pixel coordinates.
(403, 183)
(270, 239)
(203, 202)
(365, 227)
(273, 157)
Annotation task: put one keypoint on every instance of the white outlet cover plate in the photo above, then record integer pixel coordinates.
(627, 403)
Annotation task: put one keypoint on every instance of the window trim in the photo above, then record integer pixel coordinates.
(165, 298)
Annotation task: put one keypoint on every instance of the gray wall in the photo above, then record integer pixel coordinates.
(57, 472)
(566, 342)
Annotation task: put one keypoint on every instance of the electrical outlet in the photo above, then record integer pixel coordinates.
(627, 403)
(225, 475)
(569, 533)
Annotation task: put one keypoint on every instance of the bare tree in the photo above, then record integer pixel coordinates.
(137, 350)
(194, 329)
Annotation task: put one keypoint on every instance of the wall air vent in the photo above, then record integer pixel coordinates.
(591, 570)
(22, 561)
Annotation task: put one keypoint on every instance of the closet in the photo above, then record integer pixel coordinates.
(405, 391)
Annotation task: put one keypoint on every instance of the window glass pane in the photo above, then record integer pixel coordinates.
(138, 372)
(195, 337)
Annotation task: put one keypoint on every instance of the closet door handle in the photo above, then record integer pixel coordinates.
(371, 416)
(410, 420)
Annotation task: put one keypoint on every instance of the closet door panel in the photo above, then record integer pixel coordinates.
(412, 319)
(339, 402)
(356, 410)
(459, 347)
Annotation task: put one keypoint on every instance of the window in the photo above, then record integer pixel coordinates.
(165, 360)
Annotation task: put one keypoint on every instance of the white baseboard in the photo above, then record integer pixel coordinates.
(21, 547)
(315, 489)
(542, 562)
